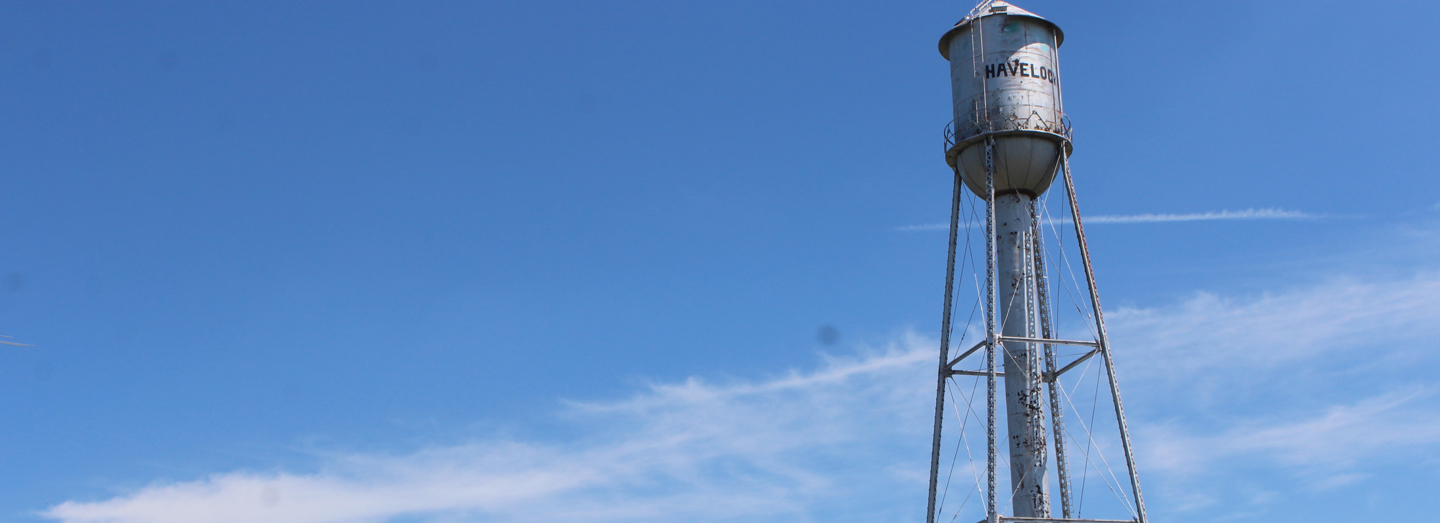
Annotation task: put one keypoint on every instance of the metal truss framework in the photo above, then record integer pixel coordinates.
(992, 344)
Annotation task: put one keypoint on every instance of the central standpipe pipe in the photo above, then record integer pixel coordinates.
(1024, 396)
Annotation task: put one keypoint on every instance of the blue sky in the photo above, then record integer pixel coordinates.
(482, 261)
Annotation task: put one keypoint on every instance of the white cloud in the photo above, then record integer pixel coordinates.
(767, 451)
(1367, 334)
(849, 441)
(1331, 441)
(1334, 317)
(1247, 214)
(924, 227)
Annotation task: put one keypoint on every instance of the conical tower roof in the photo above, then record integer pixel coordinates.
(994, 8)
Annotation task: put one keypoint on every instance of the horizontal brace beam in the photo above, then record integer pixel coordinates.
(1051, 377)
(1017, 519)
(975, 373)
(966, 355)
(1050, 342)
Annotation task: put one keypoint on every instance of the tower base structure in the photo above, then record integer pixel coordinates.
(1019, 333)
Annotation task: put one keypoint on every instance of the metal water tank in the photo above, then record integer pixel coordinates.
(1005, 81)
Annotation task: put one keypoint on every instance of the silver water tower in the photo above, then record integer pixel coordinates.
(1009, 139)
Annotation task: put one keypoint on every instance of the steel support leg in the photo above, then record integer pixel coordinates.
(1104, 344)
(991, 343)
(944, 372)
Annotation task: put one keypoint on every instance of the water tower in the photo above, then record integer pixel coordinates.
(1008, 141)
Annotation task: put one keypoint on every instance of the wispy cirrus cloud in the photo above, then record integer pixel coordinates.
(841, 437)
(1331, 440)
(848, 440)
(1247, 214)
(1314, 387)
(1326, 319)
